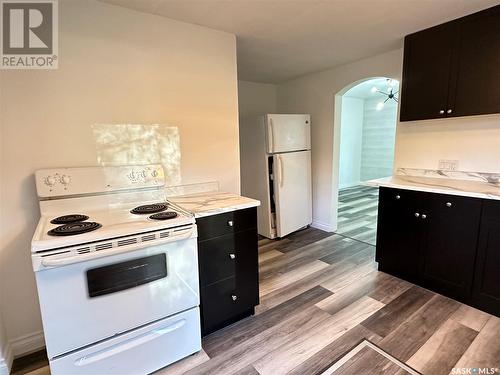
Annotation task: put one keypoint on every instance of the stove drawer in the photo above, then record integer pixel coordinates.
(140, 351)
(226, 223)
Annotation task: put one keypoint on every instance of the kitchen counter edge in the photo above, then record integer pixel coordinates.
(213, 203)
(465, 188)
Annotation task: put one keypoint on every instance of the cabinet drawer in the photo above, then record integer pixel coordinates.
(224, 300)
(227, 256)
(226, 223)
(217, 258)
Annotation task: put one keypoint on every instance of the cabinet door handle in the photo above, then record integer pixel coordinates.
(449, 111)
(441, 112)
(417, 214)
(424, 216)
(398, 196)
(448, 204)
(232, 256)
(230, 223)
(234, 297)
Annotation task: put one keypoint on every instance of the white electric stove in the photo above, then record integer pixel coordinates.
(116, 271)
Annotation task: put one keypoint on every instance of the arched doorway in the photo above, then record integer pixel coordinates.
(368, 116)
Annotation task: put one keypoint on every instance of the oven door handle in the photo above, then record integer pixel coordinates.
(67, 260)
(129, 344)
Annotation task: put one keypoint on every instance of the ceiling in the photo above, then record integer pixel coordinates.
(363, 90)
(281, 39)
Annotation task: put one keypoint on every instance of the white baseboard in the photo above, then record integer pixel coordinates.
(27, 344)
(323, 226)
(6, 361)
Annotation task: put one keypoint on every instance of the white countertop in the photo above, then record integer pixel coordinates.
(475, 189)
(213, 203)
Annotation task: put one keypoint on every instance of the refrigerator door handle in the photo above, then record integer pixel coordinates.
(280, 162)
(271, 134)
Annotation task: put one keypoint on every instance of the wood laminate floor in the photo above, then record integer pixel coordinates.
(321, 295)
(357, 213)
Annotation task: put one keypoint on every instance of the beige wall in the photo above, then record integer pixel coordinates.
(115, 66)
(315, 94)
(4, 348)
(255, 99)
(474, 141)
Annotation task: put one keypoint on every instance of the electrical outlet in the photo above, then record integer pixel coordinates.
(448, 165)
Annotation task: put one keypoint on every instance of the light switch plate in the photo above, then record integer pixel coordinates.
(448, 165)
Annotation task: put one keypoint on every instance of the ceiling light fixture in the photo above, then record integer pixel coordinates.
(390, 93)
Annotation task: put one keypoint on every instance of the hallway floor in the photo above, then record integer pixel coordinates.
(357, 216)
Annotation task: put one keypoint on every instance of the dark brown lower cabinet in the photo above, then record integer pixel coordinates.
(228, 267)
(398, 240)
(449, 244)
(449, 239)
(486, 292)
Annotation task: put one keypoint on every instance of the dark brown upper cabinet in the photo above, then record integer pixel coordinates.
(452, 69)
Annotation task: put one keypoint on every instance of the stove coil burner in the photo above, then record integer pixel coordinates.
(74, 228)
(67, 219)
(164, 215)
(149, 209)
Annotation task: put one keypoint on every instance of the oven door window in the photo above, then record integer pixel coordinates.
(126, 275)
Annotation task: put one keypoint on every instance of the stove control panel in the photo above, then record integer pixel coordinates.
(52, 180)
(60, 182)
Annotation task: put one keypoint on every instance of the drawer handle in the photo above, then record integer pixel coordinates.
(230, 223)
(448, 204)
(398, 196)
(232, 256)
(234, 297)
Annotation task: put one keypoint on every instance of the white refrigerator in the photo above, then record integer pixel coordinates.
(276, 169)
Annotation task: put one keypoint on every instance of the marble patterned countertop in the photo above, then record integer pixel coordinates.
(213, 203)
(477, 185)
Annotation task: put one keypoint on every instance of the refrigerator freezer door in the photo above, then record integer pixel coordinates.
(287, 133)
(292, 187)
